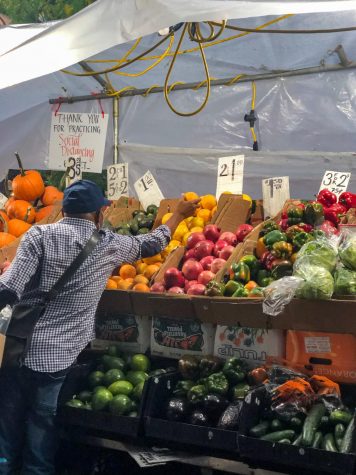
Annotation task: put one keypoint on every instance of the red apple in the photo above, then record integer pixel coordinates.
(242, 231)
(190, 254)
(191, 269)
(205, 277)
(219, 245)
(189, 283)
(226, 252)
(158, 287)
(230, 238)
(217, 265)
(206, 262)
(196, 289)
(173, 278)
(211, 232)
(193, 239)
(203, 249)
(175, 290)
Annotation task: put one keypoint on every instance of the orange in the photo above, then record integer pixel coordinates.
(127, 270)
(141, 288)
(150, 271)
(158, 264)
(125, 284)
(208, 202)
(153, 259)
(141, 279)
(190, 195)
(188, 220)
(214, 210)
(166, 217)
(205, 214)
(140, 268)
(116, 278)
(111, 285)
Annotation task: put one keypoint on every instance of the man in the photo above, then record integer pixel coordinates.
(28, 395)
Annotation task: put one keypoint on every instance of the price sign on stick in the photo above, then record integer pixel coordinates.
(275, 192)
(73, 170)
(336, 182)
(118, 182)
(230, 175)
(148, 191)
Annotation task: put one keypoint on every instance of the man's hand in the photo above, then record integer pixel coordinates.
(185, 209)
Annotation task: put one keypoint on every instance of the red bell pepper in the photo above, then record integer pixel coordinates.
(307, 228)
(328, 228)
(331, 216)
(267, 260)
(283, 223)
(326, 198)
(348, 200)
(338, 208)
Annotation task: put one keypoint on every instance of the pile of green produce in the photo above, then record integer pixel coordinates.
(116, 385)
(211, 392)
(141, 222)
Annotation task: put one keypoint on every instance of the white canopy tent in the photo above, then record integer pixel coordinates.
(302, 120)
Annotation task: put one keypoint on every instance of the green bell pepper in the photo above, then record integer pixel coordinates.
(196, 393)
(208, 365)
(281, 269)
(294, 212)
(300, 239)
(268, 227)
(182, 387)
(218, 384)
(314, 213)
(293, 231)
(241, 272)
(240, 391)
(264, 278)
(240, 292)
(215, 289)
(231, 287)
(256, 292)
(273, 237)
(282, 249)
(253, 264)
(233, 370)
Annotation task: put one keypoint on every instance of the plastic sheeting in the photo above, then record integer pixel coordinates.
(107, 23)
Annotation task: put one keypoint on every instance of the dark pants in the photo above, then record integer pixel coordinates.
(28, 438)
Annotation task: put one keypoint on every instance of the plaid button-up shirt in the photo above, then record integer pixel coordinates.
(68, 323)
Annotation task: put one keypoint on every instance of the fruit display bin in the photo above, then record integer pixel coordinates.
(156, 427)
(96, 420)
(256, 450)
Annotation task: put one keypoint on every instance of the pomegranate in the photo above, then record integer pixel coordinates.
(242, 231)
(175, 290)
(173, 278)
(193, 239)
(191, 269)
(196, 289)
(190, 254)
(189, 283)
(203, 249)
(211, 232)
(226, 252)
(205, 277)
(219, 245)
(229, 237)
(217, 265)
(206, 262)
(158, 287)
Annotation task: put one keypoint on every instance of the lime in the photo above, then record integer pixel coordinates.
(138, 390)
(113, 375)
(151, 209)
(120, 405)
(111, 362)
(136, 377)
(97, 388)
(85, 396)
(101, 399)
(75, 403)
(95, 378)
(121, 387)
(140, 362)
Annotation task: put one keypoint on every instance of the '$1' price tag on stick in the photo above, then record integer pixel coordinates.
(73, 170)
(148, 191)
(336, 182)
(275, 192)
(230, 175)
(117, 181)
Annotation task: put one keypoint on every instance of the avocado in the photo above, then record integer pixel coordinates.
(124, 232)
(134, 228)
(143, 231)
(145, 223)
(152, 209)
(136, 212)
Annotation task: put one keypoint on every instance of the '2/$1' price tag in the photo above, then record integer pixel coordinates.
(336, 182)
(117, 181)
(148, 191)
(275, 192)
(230, 175)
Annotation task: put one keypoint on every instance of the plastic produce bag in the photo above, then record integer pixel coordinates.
(279, 293)
(320, 253)
(345, 282)
(347, 252)
(318, 283)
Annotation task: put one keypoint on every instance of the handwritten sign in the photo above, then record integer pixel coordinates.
(275, 192)
(336, 182)
(148, 190)
(73, 170)
(3, 200)
(117, 180)
(78, 134)
(230, 175)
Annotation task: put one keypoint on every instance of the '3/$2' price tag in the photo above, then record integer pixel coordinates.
(275, 192)
(148, 191)
(230, 175)
(336, 182)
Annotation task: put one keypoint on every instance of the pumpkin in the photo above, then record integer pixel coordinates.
(28, 185)
(51, 195)
(8, 203)
(21, 209)
(43, 213)
(17, 227)
(6, 239)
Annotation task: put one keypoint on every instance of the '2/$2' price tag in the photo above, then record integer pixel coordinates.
(336, 182)
(148, 191)
(230, 175)
(117, 181)
(275, 192)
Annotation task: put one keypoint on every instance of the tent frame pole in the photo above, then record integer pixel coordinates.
(116, 108)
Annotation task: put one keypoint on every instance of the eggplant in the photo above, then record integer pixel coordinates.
(214, 404)
(177, 409)
(230, 417)
(199, 418)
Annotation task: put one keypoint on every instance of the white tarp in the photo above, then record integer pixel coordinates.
(107, 23)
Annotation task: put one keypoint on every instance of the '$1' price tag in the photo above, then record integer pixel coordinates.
(336, 182)
(73, 170)
(148, 191)
(117, 181)
(275, 193)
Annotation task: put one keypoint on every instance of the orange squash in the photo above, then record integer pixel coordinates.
(8, 203)
(6, 239)
(17, 227)
(28, 185)
(21, 209)
(51, 195)
(43, 213)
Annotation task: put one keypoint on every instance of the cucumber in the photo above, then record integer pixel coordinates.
(296, 423)
(298, 440)
(311, 423)
(318, 438)
(280, 435)
(342, 417)
(347, 441)
(329, 443)
(260, 429)
(284, 441)
(339, 431)
(276, 424)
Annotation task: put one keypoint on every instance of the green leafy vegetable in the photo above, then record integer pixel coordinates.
(347, 252)
(318, 282)
(318, 253)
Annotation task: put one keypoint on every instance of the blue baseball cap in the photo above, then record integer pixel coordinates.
(83, 196)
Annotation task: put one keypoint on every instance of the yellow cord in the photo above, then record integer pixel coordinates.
(121, 60)
(235, 79)
(253, 100)
(150, 89)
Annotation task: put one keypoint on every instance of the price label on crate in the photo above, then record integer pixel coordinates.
(3, 200)
(230, 175)
(73, 170)
(336, 182)
(148, 191)
(275, 192)
(117, 181)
